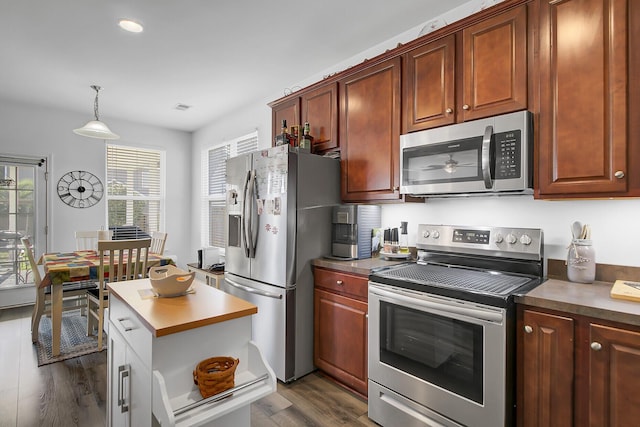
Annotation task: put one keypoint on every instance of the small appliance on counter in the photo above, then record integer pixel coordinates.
(351, 230)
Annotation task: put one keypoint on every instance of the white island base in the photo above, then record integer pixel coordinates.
(156, 343)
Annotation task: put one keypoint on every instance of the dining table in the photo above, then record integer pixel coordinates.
(65, 267)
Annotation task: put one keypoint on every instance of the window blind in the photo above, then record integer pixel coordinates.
(135, 191)
(214, 170)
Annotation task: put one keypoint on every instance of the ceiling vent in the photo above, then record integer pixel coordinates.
(182, 107)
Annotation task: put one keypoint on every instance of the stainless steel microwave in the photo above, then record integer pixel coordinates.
(492, 155)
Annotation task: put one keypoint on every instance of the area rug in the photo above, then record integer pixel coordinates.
(74, 341)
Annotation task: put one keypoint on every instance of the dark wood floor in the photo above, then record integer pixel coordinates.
(73, 392)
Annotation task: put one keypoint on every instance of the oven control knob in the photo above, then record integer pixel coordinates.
(425, 233)
(435, 234)
(498, 238)
(525, 240)
(511, 239)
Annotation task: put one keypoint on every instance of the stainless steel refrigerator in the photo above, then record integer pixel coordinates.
(279, 205)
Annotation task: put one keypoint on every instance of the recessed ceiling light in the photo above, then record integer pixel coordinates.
(130, 25)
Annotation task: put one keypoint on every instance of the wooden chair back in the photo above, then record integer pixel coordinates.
(158, 239)
(125, 259)
(28, 250)
(88, 240)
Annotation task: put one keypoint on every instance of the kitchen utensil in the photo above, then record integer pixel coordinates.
(576, 229)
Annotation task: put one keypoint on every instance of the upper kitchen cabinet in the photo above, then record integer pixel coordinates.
(287, 109)
(477, 72)
(429, 85)
(585, 61)
(320, 109)
(370, 133)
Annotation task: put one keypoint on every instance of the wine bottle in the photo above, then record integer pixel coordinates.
(284, 137)
(306, 140)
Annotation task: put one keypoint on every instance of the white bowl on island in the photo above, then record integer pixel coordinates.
(170, 281)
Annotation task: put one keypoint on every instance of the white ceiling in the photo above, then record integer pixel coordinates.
(216, 56)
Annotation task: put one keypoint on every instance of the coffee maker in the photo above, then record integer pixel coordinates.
(351, 230)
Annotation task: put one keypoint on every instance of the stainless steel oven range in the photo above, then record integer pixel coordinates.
(442, 330)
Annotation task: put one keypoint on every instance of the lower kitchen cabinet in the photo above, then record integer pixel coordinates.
(130, 384)
(340, 327)
(576, 371)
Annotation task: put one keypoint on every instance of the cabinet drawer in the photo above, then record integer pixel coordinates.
(137, 336)
(343, 283)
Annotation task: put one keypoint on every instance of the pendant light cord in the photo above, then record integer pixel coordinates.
(95, 102)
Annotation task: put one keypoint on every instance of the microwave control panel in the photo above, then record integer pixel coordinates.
(508, 154)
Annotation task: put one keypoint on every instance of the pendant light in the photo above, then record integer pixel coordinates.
(96, 128)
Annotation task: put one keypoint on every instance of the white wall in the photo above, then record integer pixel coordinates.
(38, 131)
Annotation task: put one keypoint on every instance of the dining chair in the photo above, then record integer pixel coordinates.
(88, 239)
(120, 260)
(71, 291)
(158, 239)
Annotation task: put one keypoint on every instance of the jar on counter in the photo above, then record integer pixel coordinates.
(581, 261)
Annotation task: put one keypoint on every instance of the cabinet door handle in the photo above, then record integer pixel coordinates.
(528, 329)
(596, 346)
(125, 327)
(339, 282)
(619, 174)
(465, 107)
(123, 372)
(449, 110)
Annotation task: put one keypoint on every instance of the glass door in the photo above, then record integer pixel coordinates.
(23, 196)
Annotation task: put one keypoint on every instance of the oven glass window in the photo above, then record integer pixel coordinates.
(442, 351)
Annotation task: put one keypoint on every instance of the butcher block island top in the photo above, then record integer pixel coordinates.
(165, 316)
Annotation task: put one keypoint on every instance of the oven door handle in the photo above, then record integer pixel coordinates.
(421, 302)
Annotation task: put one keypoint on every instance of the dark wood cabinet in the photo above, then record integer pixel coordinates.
(547, 363)
(287, 109)
(583, 84)
(576, 370)
(320, 109)
(370, 133)
(340, 327)
(478, 72)
(614, 370)
(429, 85)
(494, 61)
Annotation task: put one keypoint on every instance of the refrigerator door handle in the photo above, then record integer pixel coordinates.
(245, 211)
(252, 238)
(252, 290)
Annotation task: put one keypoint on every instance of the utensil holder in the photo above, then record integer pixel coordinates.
(581, 261)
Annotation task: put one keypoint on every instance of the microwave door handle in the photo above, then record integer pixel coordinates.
(245, 214)
(486, 157)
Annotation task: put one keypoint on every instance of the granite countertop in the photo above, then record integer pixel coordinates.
(164, 316)
(362, 267)
(591, 300)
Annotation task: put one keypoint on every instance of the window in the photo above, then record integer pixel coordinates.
(135, 191)
(214, 170)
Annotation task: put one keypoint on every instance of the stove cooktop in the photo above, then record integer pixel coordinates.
(482, 286)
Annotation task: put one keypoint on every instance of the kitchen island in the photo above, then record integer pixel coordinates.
(155, 344)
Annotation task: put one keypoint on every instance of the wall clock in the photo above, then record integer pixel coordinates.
(80, 189)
